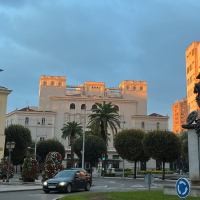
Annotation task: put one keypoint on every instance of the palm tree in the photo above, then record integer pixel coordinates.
(72, 130)
(104, 116)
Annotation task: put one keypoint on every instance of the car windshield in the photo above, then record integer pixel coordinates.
(65, 174)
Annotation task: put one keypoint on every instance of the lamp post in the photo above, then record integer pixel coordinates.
(123, 129)
(10, 146)
(83, 150)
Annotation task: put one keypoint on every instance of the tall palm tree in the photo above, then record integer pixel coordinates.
(104, 116)
(72, 130)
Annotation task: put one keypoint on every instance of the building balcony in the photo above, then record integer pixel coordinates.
(72, 92)
(115, 94)
(68, 148)
(111, 149)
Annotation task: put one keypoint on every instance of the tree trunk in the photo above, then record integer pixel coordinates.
(72, 152)
(135, 170)
(104, 137)
(163, 176)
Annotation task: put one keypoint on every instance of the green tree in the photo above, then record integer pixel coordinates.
(22, 138)
(128, 144)
(162, 145)
(104, 116)
(94, 148)
(72, 130)
(184, 140)
(46, 146)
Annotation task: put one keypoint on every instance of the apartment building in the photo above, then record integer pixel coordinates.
(179, 115)
(192, 71)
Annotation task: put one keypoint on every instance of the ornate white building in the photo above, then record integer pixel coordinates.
(60, 103)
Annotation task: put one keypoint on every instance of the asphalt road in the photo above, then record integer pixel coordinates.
(99, 185)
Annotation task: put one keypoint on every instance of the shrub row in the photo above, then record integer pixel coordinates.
(120, 169)
(128, 173)
(154, 172)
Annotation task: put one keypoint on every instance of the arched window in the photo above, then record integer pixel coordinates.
(52, 83)
(142, 125)
(26, 120)
(94, 106)
(44, 83)
(43, 121)
(117, 107)
(134, 87)
(72, 106)
(59, 84)
(141, 88)
(127, 87)
(158, 126)
(82, 106)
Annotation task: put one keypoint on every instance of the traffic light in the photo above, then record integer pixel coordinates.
(103, 158)
(102, 169)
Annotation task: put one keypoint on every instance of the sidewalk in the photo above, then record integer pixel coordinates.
(15, 185)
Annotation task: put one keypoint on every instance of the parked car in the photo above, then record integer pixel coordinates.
(67, 181)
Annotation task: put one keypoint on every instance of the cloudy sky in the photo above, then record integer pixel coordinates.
(102, 40)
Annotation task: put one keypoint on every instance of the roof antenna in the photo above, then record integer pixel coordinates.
(63, 73)
(27, 103)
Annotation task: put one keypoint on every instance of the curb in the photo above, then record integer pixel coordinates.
(20, 190)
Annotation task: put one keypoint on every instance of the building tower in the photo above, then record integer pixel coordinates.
(179, 115)
(192, 71)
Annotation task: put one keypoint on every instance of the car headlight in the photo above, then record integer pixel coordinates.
(45, 183)
(62, 183)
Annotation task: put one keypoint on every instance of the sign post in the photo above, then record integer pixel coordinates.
(149, 179)
(182, 188)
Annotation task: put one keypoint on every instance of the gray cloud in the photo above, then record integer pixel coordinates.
(108, 41)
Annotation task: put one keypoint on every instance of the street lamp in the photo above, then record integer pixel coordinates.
(123, 129)
(9, 146)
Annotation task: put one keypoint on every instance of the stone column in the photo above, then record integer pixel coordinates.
(193, 148)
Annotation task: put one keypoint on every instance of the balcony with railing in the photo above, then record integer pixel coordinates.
(71, 92)
(115, 94)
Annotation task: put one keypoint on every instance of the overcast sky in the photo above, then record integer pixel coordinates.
(97, 40)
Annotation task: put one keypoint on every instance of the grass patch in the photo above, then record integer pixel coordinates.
(135, 195)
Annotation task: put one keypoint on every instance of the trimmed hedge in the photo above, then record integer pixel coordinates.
(109, 175)
(120, 169)
(128, 173)
(154, 172)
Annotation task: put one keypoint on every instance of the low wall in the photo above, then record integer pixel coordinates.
(171, 190)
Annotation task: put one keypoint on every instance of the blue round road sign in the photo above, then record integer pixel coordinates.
(182, 187)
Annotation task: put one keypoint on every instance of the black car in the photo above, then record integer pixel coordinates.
(67, 181)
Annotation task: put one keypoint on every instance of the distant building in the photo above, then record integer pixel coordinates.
(60, 103)
(4, 92)
(179, 115)
(192, 71)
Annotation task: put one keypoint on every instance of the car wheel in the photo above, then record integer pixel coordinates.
(46, 191)
(87, 186)
(69, 188)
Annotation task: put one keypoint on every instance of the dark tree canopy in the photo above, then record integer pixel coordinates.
(94, 148)
(128, 144)
(162, 145)
(46, 146)
(22, 137)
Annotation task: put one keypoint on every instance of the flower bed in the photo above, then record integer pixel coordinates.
(4, 162)
(52, 165)
(30, 171)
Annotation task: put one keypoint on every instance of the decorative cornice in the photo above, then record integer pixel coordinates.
(33, 113)
(88, 99)
(148, 117)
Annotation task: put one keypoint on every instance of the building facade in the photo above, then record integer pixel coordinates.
(61, 103)
(4, 92)
(192, 71)
(179, 115)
